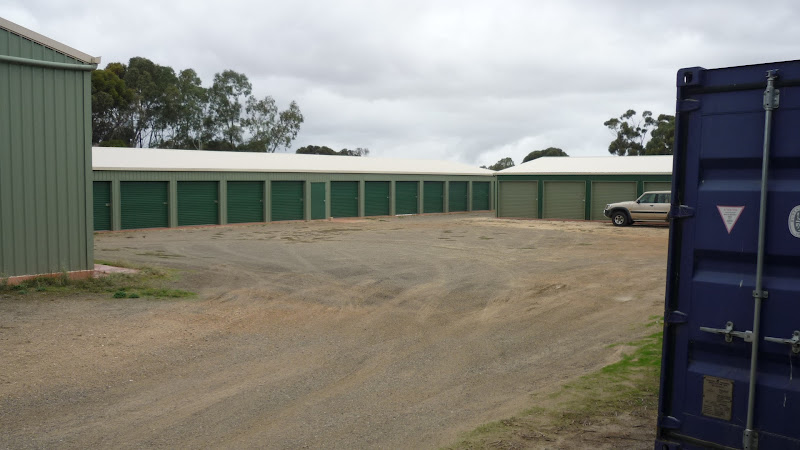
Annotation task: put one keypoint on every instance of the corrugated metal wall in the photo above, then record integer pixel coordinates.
(45, 163)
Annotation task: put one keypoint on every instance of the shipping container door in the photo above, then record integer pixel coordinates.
(101, 191)
(564, 200)
(605, 192)
(457, 197)
(287, 200)
(713, 263)
(406, 197)
(344, 198)
(245, 201)
(657, 186)
(434, 197)
(518, 199)
(376, 198)
(480, 195)
(198, 203)
(318, 201)
(143, 204)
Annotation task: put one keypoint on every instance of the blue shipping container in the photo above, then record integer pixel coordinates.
(732, 313)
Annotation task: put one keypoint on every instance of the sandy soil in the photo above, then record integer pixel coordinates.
(382, 333)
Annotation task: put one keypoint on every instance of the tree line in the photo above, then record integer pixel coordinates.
(630, 138)
(144, 104)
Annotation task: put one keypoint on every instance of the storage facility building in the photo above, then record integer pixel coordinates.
(554, 187)
(45, 155)
(153, 188)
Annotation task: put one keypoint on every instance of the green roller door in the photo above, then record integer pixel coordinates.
(605, 192)
(344, 198)
(480, 195)
(406, 197)
(245, 201)
(657, 186)
(143, 204)
(376, 198)
(433, 201)
(564, 200)
(287, 200)
(318, 201)
(457, 199)
(518, 199)
(198, 203)
(101, 191)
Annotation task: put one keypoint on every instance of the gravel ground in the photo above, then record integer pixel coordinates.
(373, 333)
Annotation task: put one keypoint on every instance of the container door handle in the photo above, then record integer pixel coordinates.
(730, 333)
(794, 341)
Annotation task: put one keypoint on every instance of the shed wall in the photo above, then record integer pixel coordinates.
(45, 163)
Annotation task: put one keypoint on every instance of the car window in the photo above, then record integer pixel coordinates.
(663, 198)
(647, 198)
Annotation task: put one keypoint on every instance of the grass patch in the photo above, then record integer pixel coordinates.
(149, 282)
(627, 388)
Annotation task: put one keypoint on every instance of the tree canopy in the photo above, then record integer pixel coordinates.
(504, 163)
(631, 134)
(549, 151)
(143, 104)
(324, 150)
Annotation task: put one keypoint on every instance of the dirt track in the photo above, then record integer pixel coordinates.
(389, 333)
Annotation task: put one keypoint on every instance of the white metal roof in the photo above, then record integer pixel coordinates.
(145, 159)
(594, 165)
(47, 42)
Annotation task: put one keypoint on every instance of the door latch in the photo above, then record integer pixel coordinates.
(730, 333)
(794, 341)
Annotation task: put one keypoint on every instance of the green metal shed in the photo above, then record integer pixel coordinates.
(45, 155)
(578, 187)
(168, 188)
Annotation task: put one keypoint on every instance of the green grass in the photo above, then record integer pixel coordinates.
(149, 282)
(626, 387)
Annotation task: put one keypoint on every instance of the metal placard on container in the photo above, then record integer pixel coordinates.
(717, 397)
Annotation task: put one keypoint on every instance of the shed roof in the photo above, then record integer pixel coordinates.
(145, 159)
(47, 42)
(594, 165)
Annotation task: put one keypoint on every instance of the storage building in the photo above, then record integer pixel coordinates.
(554, 187)
(152, 188)
(45, 155)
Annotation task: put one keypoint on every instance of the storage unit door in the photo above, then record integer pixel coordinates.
(245, 201)
(376, 198)
(657, 186)
(604, 193)
(434, 197)
(144, 204)
(564, 200)
(457, 199)
(344, 198)
(198, 203)
(287, 200)
(406, 197)
(518, 199)
(101, 192)
(480, 195)
(318, 201)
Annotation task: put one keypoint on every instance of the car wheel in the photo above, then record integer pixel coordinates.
(619, 219)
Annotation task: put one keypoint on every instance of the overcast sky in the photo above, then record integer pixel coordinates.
(469, 81)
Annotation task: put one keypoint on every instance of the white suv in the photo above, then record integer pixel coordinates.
(650, 207)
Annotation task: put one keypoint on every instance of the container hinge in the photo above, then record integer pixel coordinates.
(669, 422)
(794, 341)
(750, 439)
(676, 317)
(681, 212)
(689, 104)
(772, 96)
(730, 333)
(763, 294)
